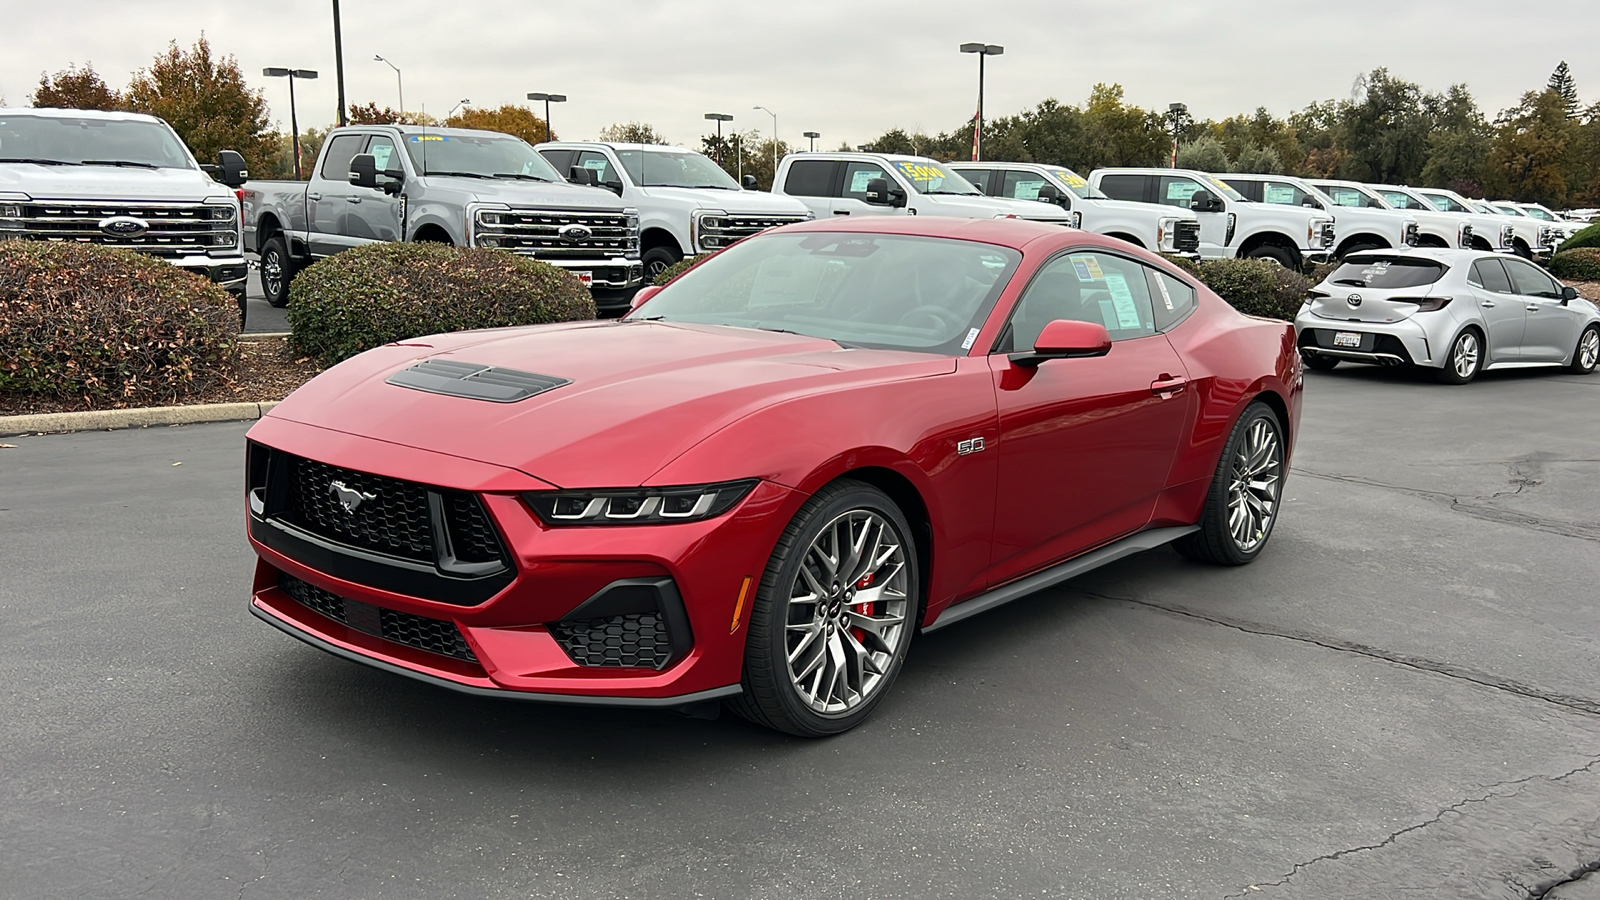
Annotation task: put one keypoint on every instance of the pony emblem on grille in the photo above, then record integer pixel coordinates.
(349, 498)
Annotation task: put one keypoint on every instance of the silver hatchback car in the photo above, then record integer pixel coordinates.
(1456, 312)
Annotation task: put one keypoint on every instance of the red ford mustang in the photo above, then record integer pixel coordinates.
(762, 483)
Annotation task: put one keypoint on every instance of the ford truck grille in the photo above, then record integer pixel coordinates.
(167, 230)
(1327, 235)
(718, 230)
(1466, 237)
(1186, 237)
(558, 234)
(1411, 236)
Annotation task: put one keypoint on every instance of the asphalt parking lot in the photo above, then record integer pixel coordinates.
(260, 317)
(1400, 698)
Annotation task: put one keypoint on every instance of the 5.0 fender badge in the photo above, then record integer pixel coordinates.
(349, 498)
(968, 447)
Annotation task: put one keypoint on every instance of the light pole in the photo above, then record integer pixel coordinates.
(459, 104)
(398, 83)
(338, 63)
(774, 138)
(548, 99)
(294, 121)
(983, 51)
(1176, 114)
(813, 135)
(719, 118)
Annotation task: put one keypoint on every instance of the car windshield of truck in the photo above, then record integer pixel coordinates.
(1075, 183)
(1387, 272)
(1402, 200)
(1355, 198)
(63, 141)
(1447, 204)
(667, 167)
(932, 178)
(888, 292)
(1537, 212)
(1511, 211)
(477, 156)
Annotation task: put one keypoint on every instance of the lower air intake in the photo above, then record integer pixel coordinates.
(637, 640)
(417, 632)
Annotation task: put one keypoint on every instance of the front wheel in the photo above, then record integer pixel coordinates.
(1464, 360)
(657, 260)
(277, 270)
(1587, 353)
(834, 615)
(1242, 505)
(1279, 255)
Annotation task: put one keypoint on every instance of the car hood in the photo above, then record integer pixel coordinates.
(108, 183)
(737, 202)
(640, 394)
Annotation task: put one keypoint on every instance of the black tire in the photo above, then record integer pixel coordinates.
(1586, 353)
(1216, 542)
(1457, 367)
(1319, 363)
(244, 308)
(1286, 258)
(1360, 246)
(1521, 249)
(277, 270)
(657, 260)
(772, 694)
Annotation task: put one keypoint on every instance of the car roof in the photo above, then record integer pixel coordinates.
(51, 113)
(1014, 233)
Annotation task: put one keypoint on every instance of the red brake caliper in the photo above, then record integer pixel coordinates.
(866, 609)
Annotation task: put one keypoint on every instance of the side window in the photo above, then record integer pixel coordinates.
(1282, 194)
(1177, 189)
(1171, 299)
(979, 179)
(809, 178)
(1487, 274)
(858, 174)
(597, 163)
(1530, 282)
(561, 160)
(383, 156)
(1022, 185)
(1123, 187)
(342, 149)
(1250, 189)
(1087, 287)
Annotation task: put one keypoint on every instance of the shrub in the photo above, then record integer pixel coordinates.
(1256, 287)
(1320, 272)
(676, 269)
(1185, 263)
(1582, 264)
(1588, 237)
(110, 327)
(379, 293)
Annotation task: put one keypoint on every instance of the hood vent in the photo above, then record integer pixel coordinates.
(474, 382)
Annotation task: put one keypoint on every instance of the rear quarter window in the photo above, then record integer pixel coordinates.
(1386, 273)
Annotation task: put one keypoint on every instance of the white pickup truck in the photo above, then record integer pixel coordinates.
(1532, 239)
(1434, 228)
(1563, 228)
(1147, 225)
(687, 204)
(1230, 225)
(1489, 233)
(1360, 227)
(872, 184)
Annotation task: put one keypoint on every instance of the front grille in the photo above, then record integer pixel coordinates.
(637, 640)
(1186, 237)
(744, 226)
(173, 229)
(537, 233)
(418, 632)
(1412, 236)
(1327, 235)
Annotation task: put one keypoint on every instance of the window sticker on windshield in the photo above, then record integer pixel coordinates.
(1027, 190)
(787, 282)
(380, 155)
(1181, 190)
(595, 165)
(1165, 296)
(1087, 267)
(1122, 301)
(859, 179)
(971, 337)
(921, 171)
(419, 138)
(1218, 183)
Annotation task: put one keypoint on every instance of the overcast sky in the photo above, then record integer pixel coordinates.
(849, 69)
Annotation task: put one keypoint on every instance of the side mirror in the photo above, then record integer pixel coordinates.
(1204, 201)
(580, 175)
(614, 187)
(364, 170)
(643, 294)
(1066, 339)
(1049, 194)
(877, 192)
(749, 183)
(230, 168)
(1568, 294)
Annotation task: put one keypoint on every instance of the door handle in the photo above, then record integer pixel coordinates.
(354, 199)
(313, 196)
(841, 212)
(1533, 307)
(1168, 386)
(1486, 304)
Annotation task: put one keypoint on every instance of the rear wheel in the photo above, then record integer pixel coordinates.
(1464, 360)
(1587, 353)
(1242, 505)
(1320, 363)
(834, 615)
(277, 270)
(1279, 255)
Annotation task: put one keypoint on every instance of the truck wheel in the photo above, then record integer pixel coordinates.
(277, 270)
(1277, 254)
(657, 260)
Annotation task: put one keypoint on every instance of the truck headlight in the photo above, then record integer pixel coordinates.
(709, 230)
(1167, 235)
(1508, 234)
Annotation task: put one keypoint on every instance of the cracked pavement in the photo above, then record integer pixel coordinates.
(1400, 698)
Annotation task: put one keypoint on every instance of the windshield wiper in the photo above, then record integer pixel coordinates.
(39, 162)
(120, 162)
(520, 176)
(460, 174)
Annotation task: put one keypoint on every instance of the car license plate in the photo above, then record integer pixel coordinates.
(586, 277)
(1347, 339)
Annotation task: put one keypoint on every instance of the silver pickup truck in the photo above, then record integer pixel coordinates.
(447, 185)
(121, 180)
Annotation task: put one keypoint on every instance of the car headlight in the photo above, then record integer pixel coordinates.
(1508, 233)
(638, 506)
(709, 230)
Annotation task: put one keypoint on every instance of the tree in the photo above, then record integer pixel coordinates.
(1562, 82)
(206, 101)
(509, 119)
(1258, 160)
(1530, 149)
(1458, 147)
(747, 154)
(370, 114)
(633, 133)
(1205, 155)
(1386, 131)
(1239, 134)
(75, 88)
(1120, 134)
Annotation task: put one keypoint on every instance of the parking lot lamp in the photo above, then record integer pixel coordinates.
(774, 137)
(983, 51)
(813, 135)
(338, 64)
(548, 99)
(294, 121)
(399, 85)
(719, 118)
(459, 104)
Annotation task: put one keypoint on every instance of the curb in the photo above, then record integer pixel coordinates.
(261, 335)
(108, 419)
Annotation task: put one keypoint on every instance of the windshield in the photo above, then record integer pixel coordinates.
(1537, 212)
(1447, 203)
(1512, 211)
(52, 140)
(1075, 183)
(477, 156)
(931, 178)
(1388, 272)
(883, 291)
(1403, 200)
(1355, 198)
(675, 168)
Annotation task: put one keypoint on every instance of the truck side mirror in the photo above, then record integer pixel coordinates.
(580, 175)
(1049, 194)
(230, 168)
(364, 171)
(879, 193)
(614, 187)
(749, 183)
(1204, 201)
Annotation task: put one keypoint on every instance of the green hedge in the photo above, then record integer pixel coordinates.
(1582, 264)
(379, 293)
(1588, 237)
(676, 269)
(110, 327)
(1256, 287)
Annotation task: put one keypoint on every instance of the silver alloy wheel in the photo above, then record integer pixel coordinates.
(1253, 490)
(272, 273)
(652, 269)
(1465, 358)
(1589, 349)
(848, 612)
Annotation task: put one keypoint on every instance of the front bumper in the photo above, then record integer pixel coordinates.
(228, 272)
(571, 618)
(614, 274)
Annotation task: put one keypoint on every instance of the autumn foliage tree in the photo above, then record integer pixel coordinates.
(509, 119)
(632, 133)
(204, 99)
(75, 88)
(371, 114)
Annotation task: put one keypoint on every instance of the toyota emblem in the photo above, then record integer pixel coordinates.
(572, 234)
(124, 226)
(1354, 300)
